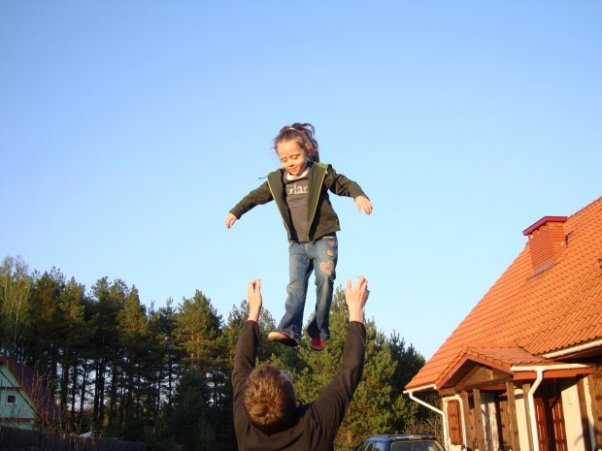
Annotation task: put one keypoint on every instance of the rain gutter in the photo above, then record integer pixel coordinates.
(410, 393)
(574, 349)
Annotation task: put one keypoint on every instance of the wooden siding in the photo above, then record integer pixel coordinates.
(512, 431)
(454, 422)
(595, 388)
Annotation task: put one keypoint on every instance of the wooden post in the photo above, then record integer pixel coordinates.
(512, 418)
(468, 420)
(526, 390)
(594, 382)
(478, 417)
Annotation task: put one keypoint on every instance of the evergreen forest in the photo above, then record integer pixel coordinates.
(162, 375)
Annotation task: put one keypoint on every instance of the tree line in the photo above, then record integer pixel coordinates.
(162, 375)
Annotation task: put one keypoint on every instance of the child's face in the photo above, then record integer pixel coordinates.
(292, 157)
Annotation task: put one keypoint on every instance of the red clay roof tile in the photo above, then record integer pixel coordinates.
(526, 313)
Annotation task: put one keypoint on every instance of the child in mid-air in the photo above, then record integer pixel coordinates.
(300, 190)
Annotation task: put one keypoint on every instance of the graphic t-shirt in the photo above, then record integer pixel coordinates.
(297, 194)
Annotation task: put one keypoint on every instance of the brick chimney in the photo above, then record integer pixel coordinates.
(546, 241)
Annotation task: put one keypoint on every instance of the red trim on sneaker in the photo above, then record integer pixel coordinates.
(317, 344)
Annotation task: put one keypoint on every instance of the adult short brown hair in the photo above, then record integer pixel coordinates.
(269, 399)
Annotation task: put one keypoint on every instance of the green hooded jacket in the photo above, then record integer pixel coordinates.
(321, 216)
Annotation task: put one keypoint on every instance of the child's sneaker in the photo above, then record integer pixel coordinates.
(317, 344)
(280, 337)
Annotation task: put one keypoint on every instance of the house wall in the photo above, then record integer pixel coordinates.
(571, 410)
(593, 400)
(522, 419)
(491, 431)
(488, 414)
(20, 413)
(490, 425)
(572, 416)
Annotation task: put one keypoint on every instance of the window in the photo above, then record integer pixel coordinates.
(11, 399)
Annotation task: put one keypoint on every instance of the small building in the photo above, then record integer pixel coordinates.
(523, 370)
(24, 400)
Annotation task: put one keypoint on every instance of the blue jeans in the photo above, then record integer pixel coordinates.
(321, 257)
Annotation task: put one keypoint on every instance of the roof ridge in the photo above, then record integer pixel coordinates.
(587, 207)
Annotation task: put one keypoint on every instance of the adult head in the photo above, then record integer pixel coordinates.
(269, 399)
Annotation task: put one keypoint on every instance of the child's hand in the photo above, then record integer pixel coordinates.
(363, 204)
(230, 220)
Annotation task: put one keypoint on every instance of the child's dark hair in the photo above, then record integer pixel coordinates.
(304, 135)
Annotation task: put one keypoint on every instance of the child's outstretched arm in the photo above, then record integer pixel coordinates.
(342, 186)
(258, 196)
(230, 220)
(363, 204)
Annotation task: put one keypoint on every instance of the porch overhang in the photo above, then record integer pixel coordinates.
(498, 365)
(498, 359)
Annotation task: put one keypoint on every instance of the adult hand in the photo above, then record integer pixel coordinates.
(363, 204)
(254, 299)
(356, 297)
(230, 220)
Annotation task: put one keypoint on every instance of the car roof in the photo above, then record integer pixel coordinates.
(395, 437)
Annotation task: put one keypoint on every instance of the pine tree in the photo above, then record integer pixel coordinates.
(198, 333)
(106, 360)
(409, 362)
(73, 338)
(236, 319)
(190, 421)
(133, 341)
(165, 357)
(42, 340)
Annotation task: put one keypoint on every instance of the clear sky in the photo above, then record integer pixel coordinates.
(128, 129)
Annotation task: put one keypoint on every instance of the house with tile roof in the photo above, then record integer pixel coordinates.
(523, 370)
(24, 400)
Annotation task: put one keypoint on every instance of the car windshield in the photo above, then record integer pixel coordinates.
(416, 445)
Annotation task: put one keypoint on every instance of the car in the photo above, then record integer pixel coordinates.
(388, 442)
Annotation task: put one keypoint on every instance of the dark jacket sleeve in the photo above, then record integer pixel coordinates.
(244, 362)
(329, 409)
(341, 185)
(259, 196)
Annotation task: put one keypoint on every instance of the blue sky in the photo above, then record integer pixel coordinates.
(128, 129)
